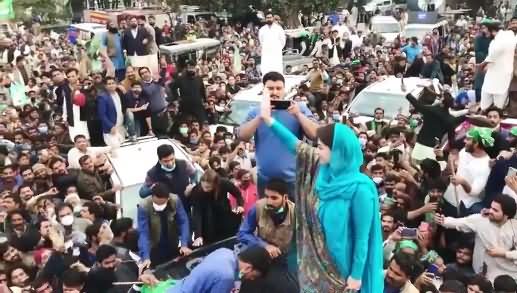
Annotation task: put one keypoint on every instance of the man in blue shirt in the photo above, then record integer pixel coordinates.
(162, 223)
(219, 271)
(274, 160)
(412, 50)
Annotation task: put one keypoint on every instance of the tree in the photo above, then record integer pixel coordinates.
(50, 10)
(289, 9)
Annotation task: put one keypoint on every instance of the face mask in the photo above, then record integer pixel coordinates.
(167, 169)
(183, 130)
(159, 208)
(67, 220)
(377, 180)
(336, 117)
(275, 210)
(113, 30)
(43, 129)
(228, 141)
(362, 141)
(193, 140)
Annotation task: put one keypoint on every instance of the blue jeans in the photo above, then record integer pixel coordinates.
(261, 186)
(133, 126)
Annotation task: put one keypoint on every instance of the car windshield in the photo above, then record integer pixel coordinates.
(239, 112)
(386, 27)
(365, 103)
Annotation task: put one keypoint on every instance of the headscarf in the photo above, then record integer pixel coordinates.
(337, 184)
(482, 135)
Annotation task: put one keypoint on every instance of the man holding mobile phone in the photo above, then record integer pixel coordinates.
(274, 160)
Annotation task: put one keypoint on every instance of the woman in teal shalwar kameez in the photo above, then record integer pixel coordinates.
(338, 229)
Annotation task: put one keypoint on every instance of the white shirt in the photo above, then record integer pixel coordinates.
(74, 154)
(489, 235)
(475, 171)
(118, 107)
(272, 42)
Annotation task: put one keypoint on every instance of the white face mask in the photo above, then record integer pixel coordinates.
(67, 220)
(159, 208)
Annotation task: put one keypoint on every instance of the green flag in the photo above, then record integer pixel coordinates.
(6, 10)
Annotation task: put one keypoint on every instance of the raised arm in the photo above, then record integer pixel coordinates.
(284, 134)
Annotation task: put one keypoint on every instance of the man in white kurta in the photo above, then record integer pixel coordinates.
(495, 237)
(272, 42)
(499, 71)
(466, 189)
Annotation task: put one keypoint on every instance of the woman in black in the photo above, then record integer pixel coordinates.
(212, 215)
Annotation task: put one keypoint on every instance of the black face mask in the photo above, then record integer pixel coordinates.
(113, 30)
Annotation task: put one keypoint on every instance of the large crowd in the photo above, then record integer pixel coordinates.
(447, 207)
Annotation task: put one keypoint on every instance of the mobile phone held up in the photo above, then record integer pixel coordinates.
(280, 104)
(409, 233)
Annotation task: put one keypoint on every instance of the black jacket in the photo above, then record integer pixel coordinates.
(212, 215)
(134, 45)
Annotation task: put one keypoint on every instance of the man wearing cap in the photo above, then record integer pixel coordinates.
(465, 193)
(162, 223)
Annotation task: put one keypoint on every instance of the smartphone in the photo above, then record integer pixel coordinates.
(433, 269)
(280, 104)
(409, 233)
(511, 172)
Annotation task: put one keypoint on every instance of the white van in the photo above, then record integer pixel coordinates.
(387, 26)
(422, 23)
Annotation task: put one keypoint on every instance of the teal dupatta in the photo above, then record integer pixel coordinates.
(338, 225)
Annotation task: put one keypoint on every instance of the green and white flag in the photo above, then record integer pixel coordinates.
(6, 10)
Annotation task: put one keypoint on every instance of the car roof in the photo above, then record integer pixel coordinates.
(382, 18)
(132, 172)
(392, 85)
(255, 92)
(90, 27)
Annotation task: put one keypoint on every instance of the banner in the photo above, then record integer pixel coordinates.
(6, 10)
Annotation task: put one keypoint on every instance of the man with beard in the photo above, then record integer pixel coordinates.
(500, 135)
(272, 41)
(399, 274)
(499, 71)
(27, 175)
(42, 180)
(9, 180)
(464, 194)
(155, 94)
(131, 78)
(297, 118)
(494, 249)
(137, 116)
(463, 263)
(270, 223)
(113, 43)
(108, 269)
(89, 113)
(135, 42)
(389, 224)
(22, 235)
(124, 235)
(157, 31)
(62, 177)
(189, 89)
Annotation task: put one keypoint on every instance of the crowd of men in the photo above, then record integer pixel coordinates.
(447, 212)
